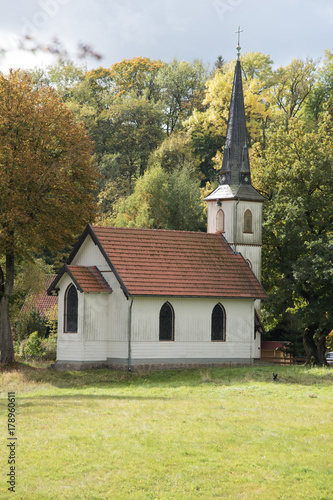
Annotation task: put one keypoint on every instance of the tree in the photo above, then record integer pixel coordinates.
(137, 75)
(292, 87)
(174, 153)
(219, 64)
(125, 135)
(47, 181)
(163, 201)
(182, 87)
(322, 92)
(295, 172)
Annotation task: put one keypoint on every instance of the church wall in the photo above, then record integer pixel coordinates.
(192, 330)
(254, 238)
(252, 253)
(102, 324)
(229, 209)
(248, 244)
(90, 255)
(229, 213)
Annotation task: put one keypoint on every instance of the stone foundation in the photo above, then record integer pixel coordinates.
(89, 365)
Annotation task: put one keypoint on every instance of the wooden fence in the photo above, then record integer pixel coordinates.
(276, 356)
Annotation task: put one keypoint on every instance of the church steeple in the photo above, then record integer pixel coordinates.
(235, 174)
(234, 208)
(235, 166)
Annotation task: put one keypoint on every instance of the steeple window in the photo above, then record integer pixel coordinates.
(220, 221)
(248, 222)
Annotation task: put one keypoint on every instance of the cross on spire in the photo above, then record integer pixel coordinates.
(238, 48)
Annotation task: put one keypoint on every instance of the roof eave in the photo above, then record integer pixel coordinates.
(63, 270)
(90, 231)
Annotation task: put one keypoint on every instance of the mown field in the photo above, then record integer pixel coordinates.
(228, 433)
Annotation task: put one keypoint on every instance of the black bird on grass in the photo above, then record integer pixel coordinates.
(275, 377)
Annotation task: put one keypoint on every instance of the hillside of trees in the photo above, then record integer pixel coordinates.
(158, 131)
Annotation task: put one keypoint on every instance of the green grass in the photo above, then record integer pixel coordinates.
(228, 433)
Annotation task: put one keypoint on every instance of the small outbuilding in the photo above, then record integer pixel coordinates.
(274, 351)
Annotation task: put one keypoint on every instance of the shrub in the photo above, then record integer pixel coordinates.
(33, 347)
(32, 322)
(49, 346)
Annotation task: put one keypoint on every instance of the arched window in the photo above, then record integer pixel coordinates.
(220, 221)
(167, 322)
(249, 263)
(218, 323)
(248, 221)
(71, 309)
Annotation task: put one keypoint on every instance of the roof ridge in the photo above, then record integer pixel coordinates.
(148, 229)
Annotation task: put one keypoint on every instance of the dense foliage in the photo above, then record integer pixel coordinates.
(159, 131)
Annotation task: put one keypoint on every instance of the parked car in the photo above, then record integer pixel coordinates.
(329, 358)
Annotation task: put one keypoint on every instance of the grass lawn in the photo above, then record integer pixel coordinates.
(228, 433)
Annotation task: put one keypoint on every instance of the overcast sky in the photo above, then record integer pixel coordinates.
(186, 29)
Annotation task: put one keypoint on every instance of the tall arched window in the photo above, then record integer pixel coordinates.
(220, 221)
(218, 323)
(71, 309)
(248, 221)
(167, 322)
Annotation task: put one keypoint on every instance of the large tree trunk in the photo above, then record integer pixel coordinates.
(315, 351)
(321, 349)
(6, 339)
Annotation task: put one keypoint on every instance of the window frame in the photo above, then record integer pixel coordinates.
(248, 222)
(224, 324)
(172, 336)
(66, 330)
(220, 211)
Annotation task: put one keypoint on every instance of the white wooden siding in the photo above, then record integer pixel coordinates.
(90, 255)
(95, 351)
(117, 350)
(191, 350)
(254, 238)
(229, 209)
(253, 254)
(192, 318)
(96, 316)
(69, 350)
(192, 329)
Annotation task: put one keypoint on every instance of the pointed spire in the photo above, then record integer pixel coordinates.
(235, 175)
(235, 165)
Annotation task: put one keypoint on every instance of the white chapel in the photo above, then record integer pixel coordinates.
(131, 298)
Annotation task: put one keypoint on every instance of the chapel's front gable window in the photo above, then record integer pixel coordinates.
(71, 310)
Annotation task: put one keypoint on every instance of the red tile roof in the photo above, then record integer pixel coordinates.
(177, 263)
(42, 302)
(89, 279)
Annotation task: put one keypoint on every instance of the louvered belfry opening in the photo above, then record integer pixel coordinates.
(218, 323)
(166, 322)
